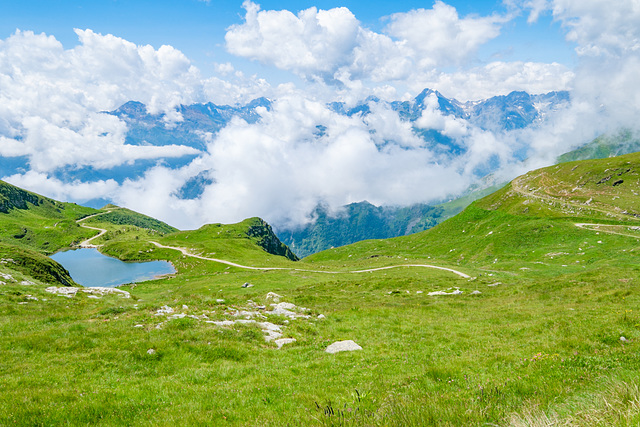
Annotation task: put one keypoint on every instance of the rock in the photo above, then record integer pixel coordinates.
(272, 330)
(185, 307)
(456, 292)
(284, 309)
(476, 293)
(283, 341)
(286, 306)
(419, 292)
(623, 339)
(151, 351)
(139, 326)
(247, 285)
(321, 316)
(338, 346)
(219, 300)
(275, 297)
(177, 316)
(165, 309)
(106, 291)
(65, 291)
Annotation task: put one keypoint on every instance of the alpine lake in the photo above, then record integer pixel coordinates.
(90, 268)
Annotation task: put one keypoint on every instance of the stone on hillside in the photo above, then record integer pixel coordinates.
(106, 291)
(455, 292)
(272, 330)
(283, 341)
(165, 309)
(476, 293)
(321, 316)
(151, 351)
(177, 316)
(338, 346)
(275, 297)
(247, 285)
(65, 291)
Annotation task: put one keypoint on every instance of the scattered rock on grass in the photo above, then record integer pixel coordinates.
(64, 291)
(275, 297)
(165, 309)
(106, 291)
(455, 292)
(338, 346)
(283, 341)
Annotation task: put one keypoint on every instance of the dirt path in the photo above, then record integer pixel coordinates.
(87, 243)
(599, 228)
(516, 186)
(233, 264)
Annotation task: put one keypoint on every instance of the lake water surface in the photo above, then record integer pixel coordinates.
(88, 267)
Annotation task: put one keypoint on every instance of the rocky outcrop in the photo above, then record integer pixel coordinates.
(15, 198)
(264, 236)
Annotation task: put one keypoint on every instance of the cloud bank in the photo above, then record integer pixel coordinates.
(302, 152)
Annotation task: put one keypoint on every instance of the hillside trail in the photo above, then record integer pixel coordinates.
(87, 243)
(517, 187)
(186, 252)
(597, 227)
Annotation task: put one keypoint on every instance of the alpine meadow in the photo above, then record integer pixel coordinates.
(322, 213)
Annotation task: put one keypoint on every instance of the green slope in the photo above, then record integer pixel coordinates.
(38, 223)
(547, 332)
(537, 210)
(251, 240)
(623, 142)
(122, 216)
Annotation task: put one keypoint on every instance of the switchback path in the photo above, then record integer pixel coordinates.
(87, 243)
(599, 227)
(516, 186)
(246, 267)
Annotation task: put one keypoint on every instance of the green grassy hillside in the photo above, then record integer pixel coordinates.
(31, 221)
(624, 142)
(545, 330)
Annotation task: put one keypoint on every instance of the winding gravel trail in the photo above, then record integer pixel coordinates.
(597, 227)
(87, 243)
(233, 264)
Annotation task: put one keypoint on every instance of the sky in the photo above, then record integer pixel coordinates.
(64, 62)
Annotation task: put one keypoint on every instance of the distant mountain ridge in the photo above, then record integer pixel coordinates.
(610, 145)
(145, 128)
(516, 110)
(358, 221)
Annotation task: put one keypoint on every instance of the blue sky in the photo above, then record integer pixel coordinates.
(197, 28)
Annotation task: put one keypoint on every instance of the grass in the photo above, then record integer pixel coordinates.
(540, 344)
